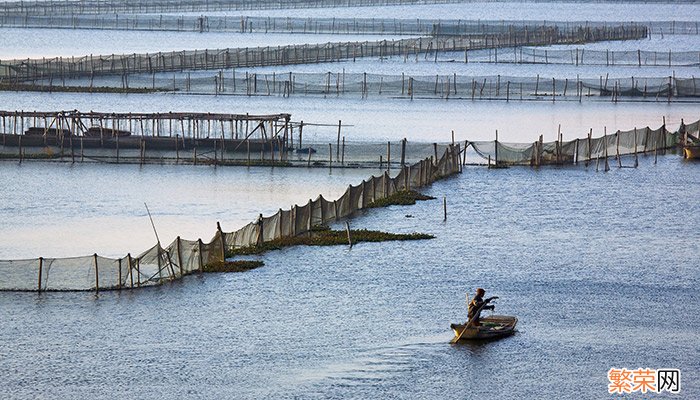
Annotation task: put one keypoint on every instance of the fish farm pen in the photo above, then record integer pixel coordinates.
(314, 25)
(147, 6)
(365, 85)
(94, 65)
(159, 264)
(191, 138)
(71, 133)
(49, 7)
(232, 139)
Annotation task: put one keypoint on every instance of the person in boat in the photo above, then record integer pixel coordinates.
(475, 306)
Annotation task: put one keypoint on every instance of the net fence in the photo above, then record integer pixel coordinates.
(582, 56)
(46, 7)
(308, 25)
(364, 85)
(213, 59)
(195, 138)
(182, 257)
(620, 143)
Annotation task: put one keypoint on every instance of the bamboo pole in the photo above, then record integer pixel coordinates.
(131, 271)
(444, 206)
(403, 151)
(97, 274)
(41, 272)
(200, 255)
(337, 155)
(179, 255)
(222, 240)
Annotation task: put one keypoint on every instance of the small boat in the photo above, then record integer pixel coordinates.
(492, 327)
(691, 151)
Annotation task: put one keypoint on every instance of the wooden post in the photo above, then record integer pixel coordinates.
(131, 272)
(636, 157)
(41, 269)
(223, 241)
(444, 206)
(464, 158)
(261, 237)
(179, 255)
(619, 160)
(605, 139)
(435, 151)
(201, 257)
(403, 152)
(342, 153)
(301, 128)
(119, 284)
(559, 143)
(337, 149)
(97, 274)
(330, 155)
(590, 136)
(388, 156)
(495, 150)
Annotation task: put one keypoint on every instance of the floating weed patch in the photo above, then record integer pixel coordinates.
(402, 198)
(233, 266)
(323, 236)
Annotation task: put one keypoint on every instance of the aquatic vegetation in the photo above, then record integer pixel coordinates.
(324, 236)
(402, 198)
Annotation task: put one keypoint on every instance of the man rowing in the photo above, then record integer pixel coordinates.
(477, 305)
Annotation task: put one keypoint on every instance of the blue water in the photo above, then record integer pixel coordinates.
(600, 268)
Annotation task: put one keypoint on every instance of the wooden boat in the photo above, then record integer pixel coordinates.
(492, 327)
(691, 151)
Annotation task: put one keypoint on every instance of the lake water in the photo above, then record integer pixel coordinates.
(600, 268)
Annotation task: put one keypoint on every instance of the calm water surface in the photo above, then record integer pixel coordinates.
(380, 119)
(63, 210)
(600, 268)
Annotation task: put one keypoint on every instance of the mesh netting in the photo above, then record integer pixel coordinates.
(570, 152)
(181, 257)
(211, 59)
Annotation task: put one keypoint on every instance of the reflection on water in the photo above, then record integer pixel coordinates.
(599, 268)
(579, 257)
(63, 209)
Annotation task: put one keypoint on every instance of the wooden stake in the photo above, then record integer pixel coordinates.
(347, 230)
(403, 152)
(97, 274)
(41, 268)
(131, 272)
(222, 240)
(444, 206)
(337, 149)
(201, 256)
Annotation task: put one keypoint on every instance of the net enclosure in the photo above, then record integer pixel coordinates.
(161, 264)
(560, 152)
(207, 59)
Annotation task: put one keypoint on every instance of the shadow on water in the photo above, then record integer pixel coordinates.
(481, 346)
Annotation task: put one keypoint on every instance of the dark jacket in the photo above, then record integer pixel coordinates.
(474, 305)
